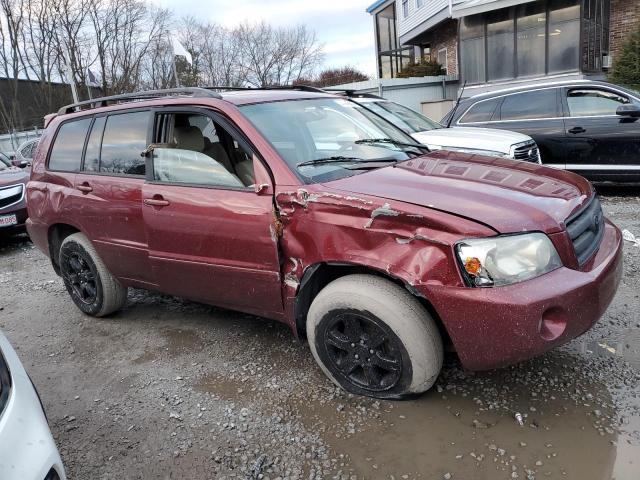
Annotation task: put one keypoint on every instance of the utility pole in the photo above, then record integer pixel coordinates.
(173, 59)
(72, 81)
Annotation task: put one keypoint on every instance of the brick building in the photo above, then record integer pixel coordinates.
(493, 43)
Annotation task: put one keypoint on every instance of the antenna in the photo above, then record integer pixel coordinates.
(453, 112)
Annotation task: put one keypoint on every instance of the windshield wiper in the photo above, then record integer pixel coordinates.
(334, 159)
(392, 142)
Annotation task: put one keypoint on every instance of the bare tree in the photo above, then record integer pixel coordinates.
(277, 56)
(128, 44)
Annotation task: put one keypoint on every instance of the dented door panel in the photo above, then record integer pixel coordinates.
(214, 245)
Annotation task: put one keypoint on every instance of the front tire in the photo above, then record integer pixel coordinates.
(372, 337)
(91, 286)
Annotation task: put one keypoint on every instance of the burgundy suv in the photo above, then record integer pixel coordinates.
(306, 208)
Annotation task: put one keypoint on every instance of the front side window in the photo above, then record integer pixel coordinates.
(591, 102)
(192, 148)
(528, 105)
(66, 153)
(480, 112)
(329, 138)
(401, 116)
(124, 138)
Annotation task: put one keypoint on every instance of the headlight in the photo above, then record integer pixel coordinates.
(5, 383)
(474, 151)
(497, 261)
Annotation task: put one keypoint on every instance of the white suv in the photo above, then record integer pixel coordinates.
(480, 141)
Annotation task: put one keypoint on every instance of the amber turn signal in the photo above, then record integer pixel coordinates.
(473, 266)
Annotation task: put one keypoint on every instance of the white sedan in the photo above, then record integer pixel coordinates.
(27, 449)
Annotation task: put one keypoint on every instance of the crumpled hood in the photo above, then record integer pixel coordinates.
(471, 137)
(13, 175)
(503, 194)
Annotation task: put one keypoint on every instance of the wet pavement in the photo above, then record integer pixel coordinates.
(173, 389)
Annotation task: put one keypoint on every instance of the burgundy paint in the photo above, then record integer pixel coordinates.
(250, 250)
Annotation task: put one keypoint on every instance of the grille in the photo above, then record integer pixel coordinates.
(526, 152)
(10, 195)
(586, 229)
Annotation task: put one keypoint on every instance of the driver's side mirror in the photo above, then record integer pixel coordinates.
(629, 110)
(23, 164)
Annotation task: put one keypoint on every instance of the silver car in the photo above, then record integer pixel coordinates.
(27, 449)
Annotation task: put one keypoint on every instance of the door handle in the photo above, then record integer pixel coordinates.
(156, 202)
(576, 130)
(85, 187)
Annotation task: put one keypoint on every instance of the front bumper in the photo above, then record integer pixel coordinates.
(494, 327)
(20, 210)
(27, 449)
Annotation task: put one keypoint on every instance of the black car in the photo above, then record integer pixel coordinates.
(589, 127)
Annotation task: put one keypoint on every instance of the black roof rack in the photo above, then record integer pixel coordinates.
(143, 95)
(304, 88)
(351, 92)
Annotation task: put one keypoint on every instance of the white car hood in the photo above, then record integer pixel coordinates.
(471, 137)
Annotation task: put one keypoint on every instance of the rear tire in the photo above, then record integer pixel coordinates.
(91, 286)
(372, 337)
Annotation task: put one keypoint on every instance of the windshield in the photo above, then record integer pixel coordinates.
(330, 138)
(400, 116)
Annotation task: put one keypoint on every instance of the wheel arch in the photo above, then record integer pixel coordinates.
(319, 275)
(56, 235)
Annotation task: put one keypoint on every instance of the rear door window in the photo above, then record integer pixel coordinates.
(481, 112)
(66, 153)
(124, 139)
(92, 153)
(530, 105)
(586, 102)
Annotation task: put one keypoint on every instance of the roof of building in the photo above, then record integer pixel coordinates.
(471, 7)
(377, 4)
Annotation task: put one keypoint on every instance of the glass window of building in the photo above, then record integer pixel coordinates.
(564, 35)
(472, 48)
(532, 39)
(500, 45)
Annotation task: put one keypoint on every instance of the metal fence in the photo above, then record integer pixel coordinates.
(410, 92)
(9, 142)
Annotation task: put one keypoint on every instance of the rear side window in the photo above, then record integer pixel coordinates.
(124, 138)
(480, 112)
(66, 153)
(526, 105)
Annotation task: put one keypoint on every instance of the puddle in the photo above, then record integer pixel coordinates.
(625, 345)
(466, 427)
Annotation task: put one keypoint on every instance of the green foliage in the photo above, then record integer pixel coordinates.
(425, 68)
(626, 67)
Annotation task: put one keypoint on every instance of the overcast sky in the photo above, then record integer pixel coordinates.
(343, 26)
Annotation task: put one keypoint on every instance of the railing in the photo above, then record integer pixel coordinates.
(411, 92)
(9, 142)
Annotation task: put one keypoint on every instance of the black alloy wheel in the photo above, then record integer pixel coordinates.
(362, 350)
(81, 276)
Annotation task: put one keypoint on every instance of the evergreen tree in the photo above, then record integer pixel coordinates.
(626, 67)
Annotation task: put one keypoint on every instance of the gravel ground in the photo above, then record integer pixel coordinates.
(173, 389)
